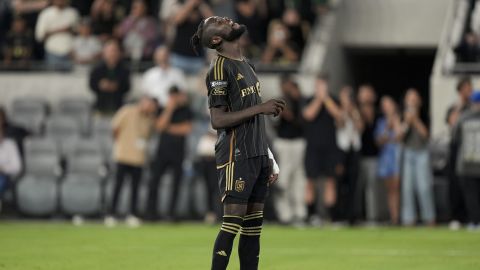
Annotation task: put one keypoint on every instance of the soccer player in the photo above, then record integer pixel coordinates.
(245, 163)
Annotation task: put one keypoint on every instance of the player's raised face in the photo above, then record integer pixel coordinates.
(224, 28)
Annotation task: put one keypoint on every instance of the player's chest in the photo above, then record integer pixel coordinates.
(246, 87)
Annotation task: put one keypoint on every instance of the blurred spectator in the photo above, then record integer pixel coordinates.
(253, 14)
(367, 99)
(173, 125)
(18, 46)
(387, 131)
(103, 19)
(349, 126)
(87, 48)
(322, 154)
(55, 28)
(110, 80)
(186, 16)
(10, 162)
(131, 126)
(207, 167)
(12, 131)
(29, 10)
(139, 32)
(82, 6)
(468, 50)
(465, 142)
(6, 14)
(416, 175)
(280, 49)
(158, 80)
(290, 147)
(454, 112)
(224, 8)
(297, 28)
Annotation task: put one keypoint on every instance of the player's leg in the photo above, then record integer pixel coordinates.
(249, 244)
(234, 211)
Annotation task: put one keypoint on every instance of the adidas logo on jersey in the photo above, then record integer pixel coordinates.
(239, 77)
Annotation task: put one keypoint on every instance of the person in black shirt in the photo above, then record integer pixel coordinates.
(110, 80)
(290, 146)
(322, 159)
(367, 99)
(174, 124)
(245, 163)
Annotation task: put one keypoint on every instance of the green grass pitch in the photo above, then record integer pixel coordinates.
(52, 246)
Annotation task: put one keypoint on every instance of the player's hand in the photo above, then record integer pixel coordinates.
(273, 106)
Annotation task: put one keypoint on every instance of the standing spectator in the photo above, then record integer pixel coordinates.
(110, 80)
(187, 15)
(297, 28)
(173, 124)
(466, 146)
(139, 32)
(131, 127)
(18, 45)
(86, 47)
(10, 162)
(367, 99)
(158, 80)
(349, 126)
(321, 156)
(416, 175)
(290, 146)
(55, 28)
(387, 131)
(207, 167)
(457, 204)
(253, 15)
(103, 19)
(280, 48)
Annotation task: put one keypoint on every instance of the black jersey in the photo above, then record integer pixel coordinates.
(234, 84)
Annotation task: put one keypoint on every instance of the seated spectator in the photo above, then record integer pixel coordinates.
(10, 162)
(280, 48)
(297, 27)
(110, 80)
(86, 48)
(139, 32)
(468, 49)
(103, 19)
(186, 17)
(131, 126)
(416, 174)
(173, 125)
(158, 80)
(18, 46)
(29, 10)
(55, 28)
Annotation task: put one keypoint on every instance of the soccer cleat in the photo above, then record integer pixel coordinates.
(110, 222)
(133, 221)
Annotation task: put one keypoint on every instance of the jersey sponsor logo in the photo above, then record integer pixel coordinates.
(239, 185)
(239, 77)
(218, 84)
(219, 92)
(251, 90)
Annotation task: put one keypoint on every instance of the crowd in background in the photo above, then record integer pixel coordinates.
(70, 33)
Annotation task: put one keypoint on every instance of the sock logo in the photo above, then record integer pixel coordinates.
(222, 253)
(239, 185)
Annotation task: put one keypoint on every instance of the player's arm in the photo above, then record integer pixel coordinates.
(222, 118)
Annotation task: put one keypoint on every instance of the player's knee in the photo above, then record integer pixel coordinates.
(252, 223)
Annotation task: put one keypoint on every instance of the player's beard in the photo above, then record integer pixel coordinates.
(235, 34)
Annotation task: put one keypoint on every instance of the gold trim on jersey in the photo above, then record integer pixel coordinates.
(218, 68)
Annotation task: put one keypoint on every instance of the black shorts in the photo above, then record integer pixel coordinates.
(245, 180)
(321, 161)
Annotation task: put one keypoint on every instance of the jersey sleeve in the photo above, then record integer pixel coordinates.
(218, 84)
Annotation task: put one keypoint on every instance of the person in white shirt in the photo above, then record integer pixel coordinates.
(349, 128)
(158, 80)
(10, 162)
(86, 47)
(54, 28)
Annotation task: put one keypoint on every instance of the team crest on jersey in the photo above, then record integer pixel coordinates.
(239, 185)
(218, 84)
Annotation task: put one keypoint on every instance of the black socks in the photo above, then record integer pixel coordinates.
(223, 244)
(249, 244)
